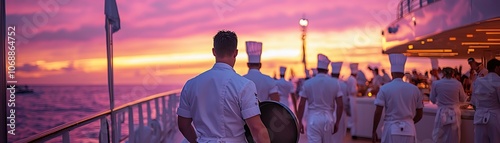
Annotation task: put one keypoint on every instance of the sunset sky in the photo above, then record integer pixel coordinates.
(63, 41)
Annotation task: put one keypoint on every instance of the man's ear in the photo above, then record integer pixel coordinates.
(235, 53)
(213, 52)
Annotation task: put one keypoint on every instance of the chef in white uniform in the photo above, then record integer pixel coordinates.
(340, 135)
(286, 90)
(402, 103)
(323, 95)
(477, 69)
(448, 93)
(486, 99)
(352, 87)
(434, 72)
(385, 78)
(266, 86)
(219, 101)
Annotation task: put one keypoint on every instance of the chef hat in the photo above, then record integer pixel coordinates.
(282, 70)
(336, 66)
(254, 51)
(323, 62)
(398, 62)
(354, 68)
(434, 63)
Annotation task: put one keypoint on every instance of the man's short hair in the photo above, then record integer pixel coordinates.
(448, 71)
(225, 42)
(492, 64)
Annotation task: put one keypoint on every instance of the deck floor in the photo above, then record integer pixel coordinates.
(303, 139)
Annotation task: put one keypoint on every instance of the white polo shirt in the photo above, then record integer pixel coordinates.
(218, 101)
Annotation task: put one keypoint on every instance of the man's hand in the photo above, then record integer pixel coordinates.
(374, 137)
(335, 128)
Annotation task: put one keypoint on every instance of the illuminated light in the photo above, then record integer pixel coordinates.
(479, 43)
(422, 42)
(369, 94)
(453, 38)
(410, 47)
(430, 51)
(493, 33)
(470, 51)
(429, 40)
(413, 18)
(494, 40)
(478, 47)
(470, 35)
(483, 30)
(437, 54)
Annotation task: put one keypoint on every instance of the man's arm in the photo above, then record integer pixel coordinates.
(186, 128)
(418, 116)
(340, 109)
(376, 120)
(258, 130)
(275, 96)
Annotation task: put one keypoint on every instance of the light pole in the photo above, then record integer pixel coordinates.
(303, 24)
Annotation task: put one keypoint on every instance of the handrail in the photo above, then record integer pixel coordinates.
(59, 130)
(407, 6)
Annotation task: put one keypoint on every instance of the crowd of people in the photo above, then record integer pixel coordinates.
(215, 105)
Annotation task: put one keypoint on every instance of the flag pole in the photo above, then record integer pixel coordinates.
(3, 106)
(109, 50)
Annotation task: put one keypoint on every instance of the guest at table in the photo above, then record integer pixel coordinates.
(447, 93)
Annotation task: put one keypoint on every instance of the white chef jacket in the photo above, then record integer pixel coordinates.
(285, 88)
(400, 99)
(321, 92)
(352, 86)
(386, 78)
(486, 98)
(447, 92)
(218, 101)
(264, 83)
(361, 78)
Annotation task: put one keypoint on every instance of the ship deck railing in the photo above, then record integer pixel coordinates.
(165, 106)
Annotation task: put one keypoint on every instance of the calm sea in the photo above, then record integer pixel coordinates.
(53, 105)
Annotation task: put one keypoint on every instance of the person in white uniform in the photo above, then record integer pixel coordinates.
(402, 103)
(352, 87)
(486, 99)
(477, 69)
(323, 95)
(342, 129)
(286, 90)
(266, 86)
(385, 78)
(434, 72)
(448, 93)
(219, 101)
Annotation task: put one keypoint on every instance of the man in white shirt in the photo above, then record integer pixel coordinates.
(447, 93)
(352, 88)
(342, 129)
(403, 106)
(266, 86)
(477, 69)
(219, 101)
(486, 99)
(286, 90)
(323, 95)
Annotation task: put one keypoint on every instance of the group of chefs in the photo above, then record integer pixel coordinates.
(215, 105)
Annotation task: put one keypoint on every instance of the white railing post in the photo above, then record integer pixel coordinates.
(65, 137)
(104, 131)
(131, 123)
(148, 110)
(157, 108)
(141, 119)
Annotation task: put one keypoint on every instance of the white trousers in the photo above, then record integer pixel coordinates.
(352, 120)
(320, 126)
(489, 132)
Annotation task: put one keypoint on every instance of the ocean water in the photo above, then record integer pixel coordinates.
(53, 105)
